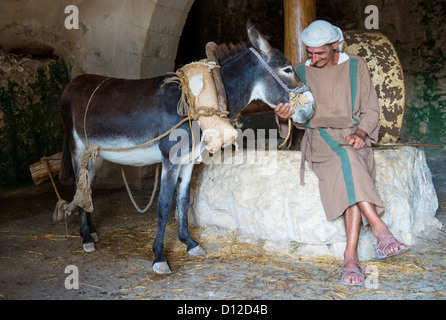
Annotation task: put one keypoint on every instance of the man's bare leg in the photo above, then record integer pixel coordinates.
(352, 218)
(379, 228)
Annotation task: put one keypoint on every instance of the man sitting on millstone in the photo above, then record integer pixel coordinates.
(346, 112)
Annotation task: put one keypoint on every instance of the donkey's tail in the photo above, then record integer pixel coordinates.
(66, 169)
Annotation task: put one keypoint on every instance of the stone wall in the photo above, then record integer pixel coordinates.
(30, 125)
(129, 39)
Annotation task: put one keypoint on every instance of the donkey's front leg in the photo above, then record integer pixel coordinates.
(169, 178)
(183, 200)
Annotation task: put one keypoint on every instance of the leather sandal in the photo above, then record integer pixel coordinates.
(347, 272)
(385, 243)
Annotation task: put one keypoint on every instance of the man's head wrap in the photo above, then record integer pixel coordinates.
(320, 33)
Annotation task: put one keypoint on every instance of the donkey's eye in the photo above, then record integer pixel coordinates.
(288, 70)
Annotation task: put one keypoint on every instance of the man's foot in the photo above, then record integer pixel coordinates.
(353, 274)
(388, 246)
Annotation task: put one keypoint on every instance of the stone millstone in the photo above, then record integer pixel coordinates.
(387, 76)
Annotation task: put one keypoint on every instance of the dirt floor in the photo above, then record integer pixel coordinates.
(35, 252)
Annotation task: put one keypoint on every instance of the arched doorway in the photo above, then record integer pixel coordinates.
(224, 22)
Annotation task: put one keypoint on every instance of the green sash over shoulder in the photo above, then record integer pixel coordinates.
(353, 82)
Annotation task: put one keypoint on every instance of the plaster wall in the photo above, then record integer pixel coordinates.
(129, 39)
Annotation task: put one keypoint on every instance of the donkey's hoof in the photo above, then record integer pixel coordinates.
(89, 247)
(161, 268)
(94, 236)
(197, 251)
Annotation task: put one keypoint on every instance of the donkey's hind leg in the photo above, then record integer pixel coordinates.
(183, 200)
(87, 230)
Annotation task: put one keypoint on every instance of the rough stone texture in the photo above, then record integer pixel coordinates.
(387, 76)
(128, 39)
(21, 70)
(30, 126)
(259, 196)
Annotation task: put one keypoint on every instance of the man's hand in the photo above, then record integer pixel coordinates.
(283, 111)
(357, 139)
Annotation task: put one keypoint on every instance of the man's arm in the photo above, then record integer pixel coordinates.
(368, 103)
(283, 113)
(368, 110)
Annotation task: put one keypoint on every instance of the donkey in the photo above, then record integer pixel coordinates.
(126, 113)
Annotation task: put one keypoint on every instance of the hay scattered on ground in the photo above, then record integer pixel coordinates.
(231, 269)
(268, 271)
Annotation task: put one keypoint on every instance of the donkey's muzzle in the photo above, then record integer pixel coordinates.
(302, 102)
(303, 89)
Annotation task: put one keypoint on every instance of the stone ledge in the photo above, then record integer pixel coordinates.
(258, 195)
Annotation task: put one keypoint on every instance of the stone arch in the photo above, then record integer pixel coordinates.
(163, 37)
(128, 39)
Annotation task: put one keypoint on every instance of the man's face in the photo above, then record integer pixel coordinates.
(322, 57)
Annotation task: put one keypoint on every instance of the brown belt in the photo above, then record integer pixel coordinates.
(306, 149)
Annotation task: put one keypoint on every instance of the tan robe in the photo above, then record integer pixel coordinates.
(346, 176)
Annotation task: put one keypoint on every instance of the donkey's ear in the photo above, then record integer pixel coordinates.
(257, 40)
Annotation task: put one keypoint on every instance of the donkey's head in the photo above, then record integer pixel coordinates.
(276, 77)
